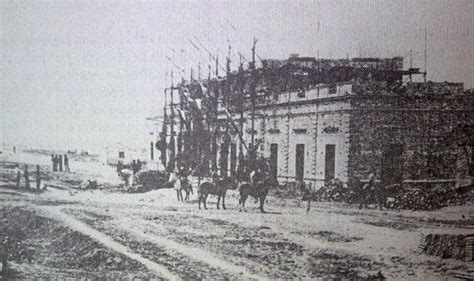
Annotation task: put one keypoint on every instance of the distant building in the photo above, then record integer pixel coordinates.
(119, 152)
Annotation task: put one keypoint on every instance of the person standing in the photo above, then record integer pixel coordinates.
(134, 167)
(139, 165)
(52, 160)
(66, 163)
(174, 180)
(27, 178)
(38, 177)
(60, 159)
(119, 168)
(18, 175)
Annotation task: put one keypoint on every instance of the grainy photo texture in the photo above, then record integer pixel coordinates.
(236, 140)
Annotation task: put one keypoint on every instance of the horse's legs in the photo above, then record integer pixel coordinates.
(223, 201)
(187, 194)
(218, 201)
(308, 208)
(199, 201)
(177, 194)
(262, 201)
(204, 200)
(243, 198)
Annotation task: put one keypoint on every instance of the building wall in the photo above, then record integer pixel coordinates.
(362, 121)
(333, 129)
(295, 118)
(422, 125)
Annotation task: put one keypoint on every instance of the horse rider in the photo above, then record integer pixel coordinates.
(367, 190)
(183, 176)
(215, 176)
(259, 171)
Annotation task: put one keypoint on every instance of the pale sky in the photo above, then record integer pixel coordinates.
(86, 74)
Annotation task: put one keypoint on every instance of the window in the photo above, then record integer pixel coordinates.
(332, 89)
(121, 154)
(300, 131)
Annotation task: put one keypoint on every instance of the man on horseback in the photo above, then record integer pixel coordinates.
(260, 170)
(215, 176)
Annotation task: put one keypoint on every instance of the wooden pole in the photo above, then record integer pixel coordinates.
(253, 93)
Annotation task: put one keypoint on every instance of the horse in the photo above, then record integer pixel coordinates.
(218, 188)
(187, 187)
(257, 190)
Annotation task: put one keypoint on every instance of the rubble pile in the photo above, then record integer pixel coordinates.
(148, 180)
(337, 265)
(423, 198)
(335, 191)
(394, 196)
(289, 190)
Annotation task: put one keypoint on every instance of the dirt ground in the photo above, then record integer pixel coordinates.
(65, 232)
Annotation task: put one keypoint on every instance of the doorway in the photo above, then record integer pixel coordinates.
(330, 162)
(392, 164)
(299, 166)
(274, 160)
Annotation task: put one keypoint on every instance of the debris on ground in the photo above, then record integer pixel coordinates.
(148, 180)
(333, 265)
(394, 196)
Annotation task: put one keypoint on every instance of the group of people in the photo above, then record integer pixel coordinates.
(58, 162)
(26, 175)
(136, 166)
(128, 172)
(252, 170)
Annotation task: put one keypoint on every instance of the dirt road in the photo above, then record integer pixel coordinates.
(64, 232)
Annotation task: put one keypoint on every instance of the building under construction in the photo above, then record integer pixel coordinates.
(319, 119)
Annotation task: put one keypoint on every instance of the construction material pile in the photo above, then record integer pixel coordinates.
(449, 246)
(148, 180)
(335, 191)
(289, 191)
(421, 198)
(394, 196)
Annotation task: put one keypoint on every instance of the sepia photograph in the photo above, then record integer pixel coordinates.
(236, 140)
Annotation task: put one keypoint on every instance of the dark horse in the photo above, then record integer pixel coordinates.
(257, 190)
(187, 187)
(219, 188)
